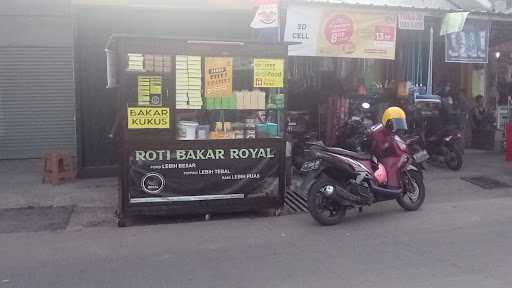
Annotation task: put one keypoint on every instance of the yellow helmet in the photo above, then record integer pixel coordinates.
(394, 117)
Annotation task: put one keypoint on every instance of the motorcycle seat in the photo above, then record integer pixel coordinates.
(343, 152)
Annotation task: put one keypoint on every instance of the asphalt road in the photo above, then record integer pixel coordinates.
(462, 237)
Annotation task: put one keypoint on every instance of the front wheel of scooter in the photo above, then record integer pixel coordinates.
(453, 159)
(414, 194)
(323, 209)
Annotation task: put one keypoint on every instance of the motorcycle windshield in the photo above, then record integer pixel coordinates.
(399, 124)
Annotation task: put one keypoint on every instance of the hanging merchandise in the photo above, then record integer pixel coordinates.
(157, 63)
(341, 33)
(361, 90)
(402, 89)
(470, 45)
(135, 62)
(453, 22)
(188, 82)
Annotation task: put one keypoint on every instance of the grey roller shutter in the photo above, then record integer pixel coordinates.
(37, 102)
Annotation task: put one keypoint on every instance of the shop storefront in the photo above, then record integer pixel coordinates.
(381, 54)
(201, 124)
(350, 55)
(95, 21)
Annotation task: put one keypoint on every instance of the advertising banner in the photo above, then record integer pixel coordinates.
(341, 33)
(218, 77)
(470, 45)
(200, 171)
(267, 16)
(411, 21)
(268, 73)
(148, 118)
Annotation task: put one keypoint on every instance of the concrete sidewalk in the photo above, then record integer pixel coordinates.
(95, 199)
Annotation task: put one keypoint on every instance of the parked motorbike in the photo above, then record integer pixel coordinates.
(339, 180)
(445, 146)
(352, 136)
(442, 139)
(298, 133)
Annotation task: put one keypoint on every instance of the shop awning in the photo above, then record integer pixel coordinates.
(483, 6)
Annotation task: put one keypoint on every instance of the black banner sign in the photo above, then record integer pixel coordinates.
(470, 45)
(203, 170)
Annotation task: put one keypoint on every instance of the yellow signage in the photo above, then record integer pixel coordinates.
(218, 77)
(150, 90)
(148, 118)
(268, 73)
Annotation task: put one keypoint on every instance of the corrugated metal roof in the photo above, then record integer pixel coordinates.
(473, 5)
(422, 4)
(449, 5)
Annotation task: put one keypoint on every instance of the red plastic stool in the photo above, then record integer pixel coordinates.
(58, 167)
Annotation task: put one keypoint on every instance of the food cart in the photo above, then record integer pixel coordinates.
(201, 125)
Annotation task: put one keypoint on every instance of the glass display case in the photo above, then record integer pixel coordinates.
(204, 126)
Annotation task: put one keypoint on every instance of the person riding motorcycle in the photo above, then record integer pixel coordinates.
(394, 119)
(338, 180)
(394, 122)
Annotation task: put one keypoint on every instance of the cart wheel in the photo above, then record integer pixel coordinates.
(122, 222)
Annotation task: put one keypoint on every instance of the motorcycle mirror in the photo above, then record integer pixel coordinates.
(366, 105)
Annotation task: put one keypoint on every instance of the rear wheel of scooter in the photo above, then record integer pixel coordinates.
(413, 197)
(453, 159)
(324, 210)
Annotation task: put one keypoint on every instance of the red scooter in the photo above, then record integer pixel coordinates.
(339, 180)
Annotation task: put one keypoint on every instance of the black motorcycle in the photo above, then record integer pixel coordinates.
(443, 141)
(445, 147)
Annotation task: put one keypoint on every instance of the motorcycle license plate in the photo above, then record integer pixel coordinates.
(421, 156)
(310, 165)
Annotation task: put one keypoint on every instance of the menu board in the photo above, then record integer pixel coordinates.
(149, 90)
